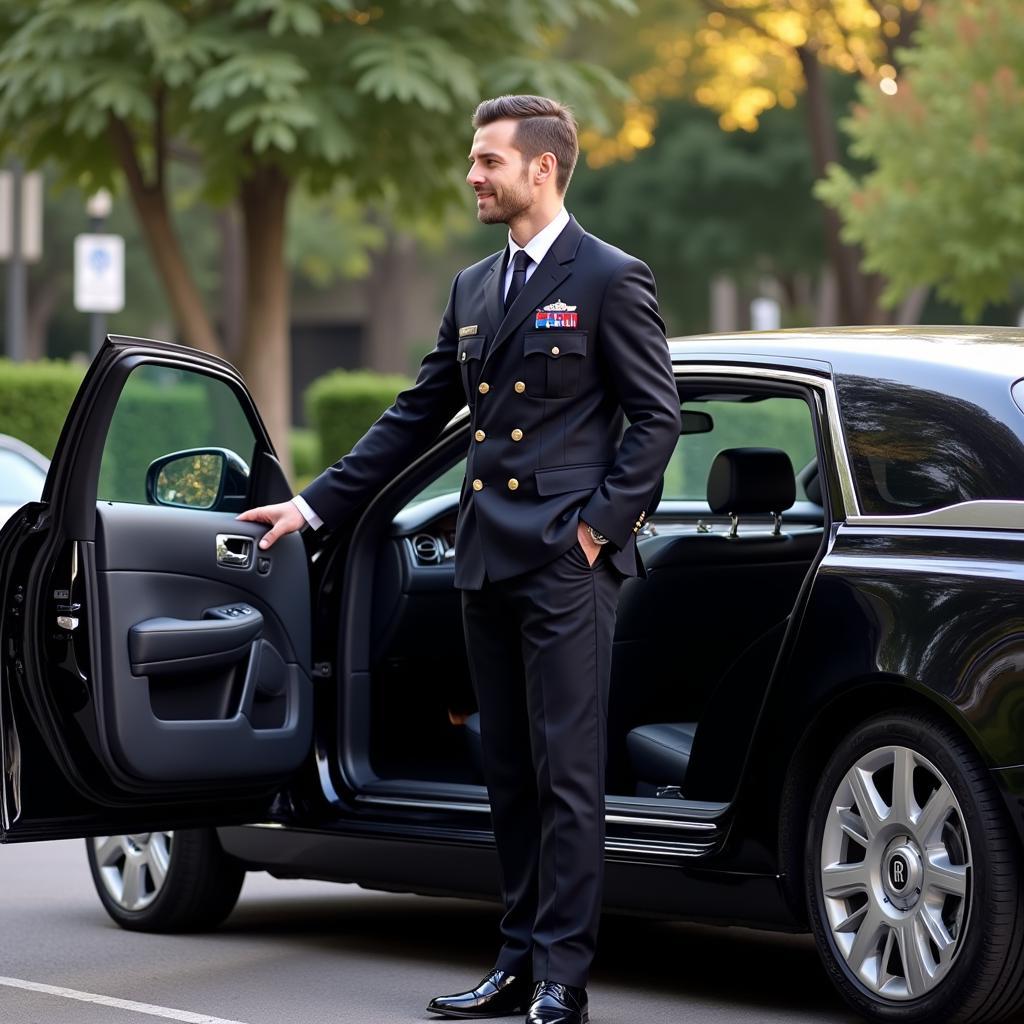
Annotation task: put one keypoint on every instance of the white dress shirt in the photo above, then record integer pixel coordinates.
(536, 248)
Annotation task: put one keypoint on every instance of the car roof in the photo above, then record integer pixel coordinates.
(985, 351)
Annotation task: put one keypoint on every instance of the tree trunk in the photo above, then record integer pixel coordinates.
(154, 216)
(844, 259)
(232, 279)
(265, 358)
(392, 313)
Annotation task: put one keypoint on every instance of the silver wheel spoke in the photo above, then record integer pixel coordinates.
(109, 849)
(865, 945)
(843, 880)
(853, 826)
(903, 803)
(935, 812)
(869, 801)
(158, 863)
(915, 972)
(132, 883)
(938, 933)
(946, 877)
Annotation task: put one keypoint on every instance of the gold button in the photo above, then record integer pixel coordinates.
(513, 484)
(479, 435)
(520, 387)
(517, 434)
(478, 485)
(554, 350)
(484, 387)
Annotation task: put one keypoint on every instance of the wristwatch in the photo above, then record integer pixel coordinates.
(597, 538)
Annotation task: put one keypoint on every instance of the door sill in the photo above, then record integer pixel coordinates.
(669, 813)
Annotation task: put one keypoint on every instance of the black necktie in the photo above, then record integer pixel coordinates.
(519, 264)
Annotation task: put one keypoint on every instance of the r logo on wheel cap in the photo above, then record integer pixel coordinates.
(898, 873)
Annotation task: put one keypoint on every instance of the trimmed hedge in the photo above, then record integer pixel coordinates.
(35, 399)
(343, 404)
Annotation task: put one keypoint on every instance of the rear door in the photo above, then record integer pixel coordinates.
(155, 664)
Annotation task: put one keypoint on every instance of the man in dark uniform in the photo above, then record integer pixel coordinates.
(552, 342)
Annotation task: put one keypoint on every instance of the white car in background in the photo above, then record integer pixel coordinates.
(22, 474)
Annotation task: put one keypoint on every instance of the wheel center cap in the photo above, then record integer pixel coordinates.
(902, 873)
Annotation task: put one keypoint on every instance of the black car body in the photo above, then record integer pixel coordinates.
(314, 706)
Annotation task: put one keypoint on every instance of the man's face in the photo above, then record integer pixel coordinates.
(498, 174)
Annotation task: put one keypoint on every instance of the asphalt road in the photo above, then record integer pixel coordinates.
(316, 953)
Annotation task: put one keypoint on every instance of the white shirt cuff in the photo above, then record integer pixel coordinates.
(307, 513)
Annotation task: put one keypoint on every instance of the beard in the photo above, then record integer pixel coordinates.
(508, 202)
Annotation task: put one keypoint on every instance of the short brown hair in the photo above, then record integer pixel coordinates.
(545, 126)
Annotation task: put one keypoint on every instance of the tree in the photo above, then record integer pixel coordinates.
(944, 202)
(702, 202)
(263, 97)
(742, 58)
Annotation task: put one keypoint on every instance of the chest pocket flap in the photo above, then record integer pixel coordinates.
(555, 343)
(470, 347)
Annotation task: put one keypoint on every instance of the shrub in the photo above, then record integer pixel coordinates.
(341, 406)
(35, 399)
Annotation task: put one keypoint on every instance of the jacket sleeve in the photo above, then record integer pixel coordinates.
(403, 431)
(632, 343)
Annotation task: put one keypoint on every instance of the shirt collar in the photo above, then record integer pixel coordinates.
(537, 247)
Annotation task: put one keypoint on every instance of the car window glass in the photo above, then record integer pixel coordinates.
(780, 422)
(163, 410)
(20, 480)
(915, 449)
(449, 482)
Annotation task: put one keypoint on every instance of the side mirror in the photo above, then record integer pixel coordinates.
(203, 478)
(696, 422)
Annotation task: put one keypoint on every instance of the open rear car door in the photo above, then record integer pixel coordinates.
(155, 664)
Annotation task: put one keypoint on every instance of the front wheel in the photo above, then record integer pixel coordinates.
(913, 888)
(165, 881)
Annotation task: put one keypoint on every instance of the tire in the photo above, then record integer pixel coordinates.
(165, 881)
(916, 906)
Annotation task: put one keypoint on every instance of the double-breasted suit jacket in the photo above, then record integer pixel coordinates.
(548, 405)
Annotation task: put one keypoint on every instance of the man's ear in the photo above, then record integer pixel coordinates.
(545, 169)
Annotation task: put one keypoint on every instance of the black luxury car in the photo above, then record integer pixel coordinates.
(817, 705)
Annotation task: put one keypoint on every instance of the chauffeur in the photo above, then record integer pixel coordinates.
(551, 342)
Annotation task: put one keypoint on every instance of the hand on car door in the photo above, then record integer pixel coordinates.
(283, 518)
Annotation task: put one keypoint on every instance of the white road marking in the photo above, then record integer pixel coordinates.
(118, 1004)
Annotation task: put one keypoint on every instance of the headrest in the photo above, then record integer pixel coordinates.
(744, 480)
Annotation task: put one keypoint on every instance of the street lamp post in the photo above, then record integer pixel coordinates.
(98, 207)
(16, 277)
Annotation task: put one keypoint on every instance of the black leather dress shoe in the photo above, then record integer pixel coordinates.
(554, 1003)
(500, 994)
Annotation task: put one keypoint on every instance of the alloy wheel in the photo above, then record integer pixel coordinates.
(895, 873)
(133, 868)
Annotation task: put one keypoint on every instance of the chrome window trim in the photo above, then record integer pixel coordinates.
(847, 492)
(969, 515)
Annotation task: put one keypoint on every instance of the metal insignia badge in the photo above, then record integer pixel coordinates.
(466, 331)
(557, 314)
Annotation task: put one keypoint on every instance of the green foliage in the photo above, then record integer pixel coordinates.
(772, 423)
(702, 201)
(160, 411)
(944, 204)
(35, 399)
(342, 405)
(324, 90)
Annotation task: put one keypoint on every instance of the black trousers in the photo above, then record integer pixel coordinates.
(540, 647)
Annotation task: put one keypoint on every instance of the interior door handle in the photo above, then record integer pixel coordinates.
(234, 550)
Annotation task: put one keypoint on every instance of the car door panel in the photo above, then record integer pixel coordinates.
(155, 666)
(236, 703)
